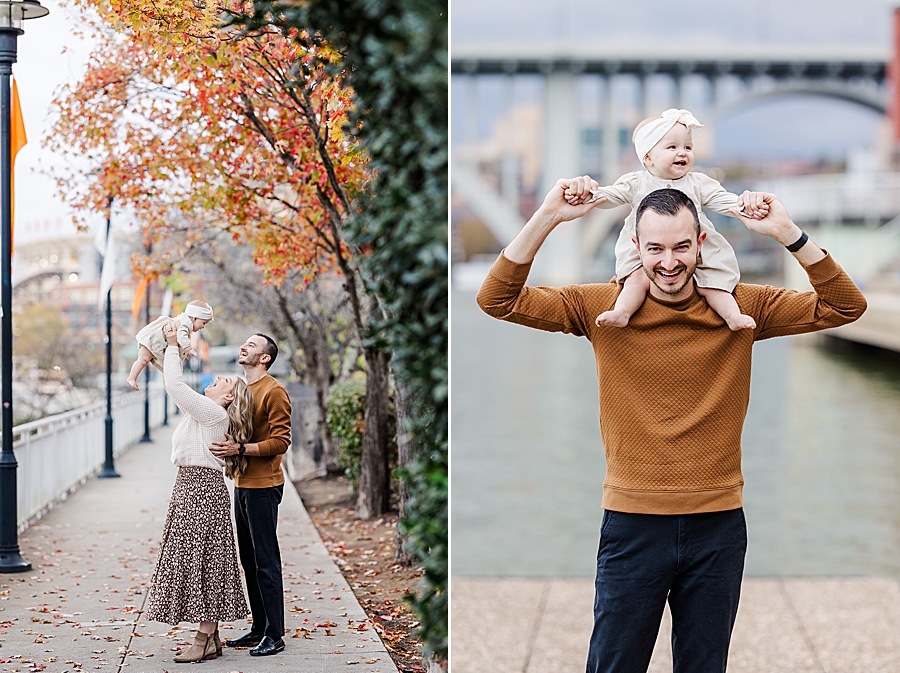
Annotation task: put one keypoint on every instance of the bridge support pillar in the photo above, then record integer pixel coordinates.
(509, 169)
(610, 134)
(470, 138)
(642, 98)
(560, 259)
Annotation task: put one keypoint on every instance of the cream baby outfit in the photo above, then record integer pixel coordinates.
(151, 337)
(718, 267)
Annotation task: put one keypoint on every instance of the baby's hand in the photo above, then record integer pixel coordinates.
(579, 191)
(757, 213)
(191, 353)
(575, 199)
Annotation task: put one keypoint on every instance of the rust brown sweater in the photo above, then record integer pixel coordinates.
(675, 383)
(271, 430)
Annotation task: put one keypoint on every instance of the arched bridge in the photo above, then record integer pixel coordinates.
(734, 77)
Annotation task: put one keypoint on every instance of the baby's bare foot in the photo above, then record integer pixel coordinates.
(133, 383)
(740, 321)
(614, 318)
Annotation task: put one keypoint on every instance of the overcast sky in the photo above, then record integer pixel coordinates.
(820, 22)
(803, 127)
(41, 68)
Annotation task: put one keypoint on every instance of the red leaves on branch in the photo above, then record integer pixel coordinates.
(194, 128)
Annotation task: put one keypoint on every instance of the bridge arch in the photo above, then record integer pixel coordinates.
(867, 96)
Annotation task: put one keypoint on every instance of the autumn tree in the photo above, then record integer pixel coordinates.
(395, 56)
(242, 134)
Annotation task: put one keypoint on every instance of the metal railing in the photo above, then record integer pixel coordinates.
(59, 453)
(829, 200)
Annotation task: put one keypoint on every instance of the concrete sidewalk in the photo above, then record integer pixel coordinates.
(79, 609)
(827, 625)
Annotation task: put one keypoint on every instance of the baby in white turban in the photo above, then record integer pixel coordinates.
(153, 344)
(665, 147)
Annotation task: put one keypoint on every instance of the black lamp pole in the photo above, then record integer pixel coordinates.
(11, 15)
(109, 468)
(146, 437)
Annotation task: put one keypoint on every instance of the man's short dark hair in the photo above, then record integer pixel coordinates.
(666, 201)
(270, 348)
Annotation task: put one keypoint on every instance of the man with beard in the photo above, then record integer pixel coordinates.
(673, 387)
(257, 494)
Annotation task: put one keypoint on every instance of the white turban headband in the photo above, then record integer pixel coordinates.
(652, 132)
(201, 312)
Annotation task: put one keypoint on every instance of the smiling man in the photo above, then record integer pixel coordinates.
(257, 494)
(673, 387)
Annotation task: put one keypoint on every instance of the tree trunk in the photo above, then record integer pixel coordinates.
(405, 450)
(374, 477)
(328, 450)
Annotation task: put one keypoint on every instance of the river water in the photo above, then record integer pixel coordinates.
(821, 454)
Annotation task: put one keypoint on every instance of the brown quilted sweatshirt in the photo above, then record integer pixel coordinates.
(271, 430)
(675, 383)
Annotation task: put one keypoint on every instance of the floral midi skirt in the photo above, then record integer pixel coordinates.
(196, 577)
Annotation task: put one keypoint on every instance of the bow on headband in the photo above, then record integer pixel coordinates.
(652, 132)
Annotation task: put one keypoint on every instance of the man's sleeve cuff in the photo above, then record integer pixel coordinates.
(822, 270)
(509, 271)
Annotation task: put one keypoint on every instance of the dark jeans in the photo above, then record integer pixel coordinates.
(695, 561)
(256, 516)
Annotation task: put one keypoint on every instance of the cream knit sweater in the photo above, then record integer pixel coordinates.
(203, 422)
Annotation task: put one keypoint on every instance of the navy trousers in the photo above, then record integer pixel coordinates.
(693, 561)
(256, 516)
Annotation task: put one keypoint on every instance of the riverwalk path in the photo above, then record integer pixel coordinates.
(798, 625)
(79, 608)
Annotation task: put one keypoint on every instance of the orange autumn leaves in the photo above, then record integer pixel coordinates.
(195, 128)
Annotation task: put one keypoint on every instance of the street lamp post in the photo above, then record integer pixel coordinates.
(146, 437)
(109, 468)
(12, 12)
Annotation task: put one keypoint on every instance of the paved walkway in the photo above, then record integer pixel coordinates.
(825, 625)
(79, 609)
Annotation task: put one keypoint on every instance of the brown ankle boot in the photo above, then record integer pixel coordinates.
(204, 647)
(217, 642)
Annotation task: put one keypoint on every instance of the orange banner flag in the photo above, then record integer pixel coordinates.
(138, 295)
(18, 140)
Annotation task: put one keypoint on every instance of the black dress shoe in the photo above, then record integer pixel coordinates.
(266, 647)
(246, 640)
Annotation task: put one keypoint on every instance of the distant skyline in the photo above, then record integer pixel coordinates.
(801, 127)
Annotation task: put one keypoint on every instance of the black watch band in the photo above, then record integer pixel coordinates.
(241, 449)
(799, 243)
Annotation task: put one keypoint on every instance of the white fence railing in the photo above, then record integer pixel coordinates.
(57, 454)
(828, 200)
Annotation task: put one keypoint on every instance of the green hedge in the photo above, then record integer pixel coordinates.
(346, 413)
(346, 421)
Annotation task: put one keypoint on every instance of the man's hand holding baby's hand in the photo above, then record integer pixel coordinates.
(756, 211)
(579, 191)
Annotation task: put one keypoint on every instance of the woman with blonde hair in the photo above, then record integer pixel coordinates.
(196, 577)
